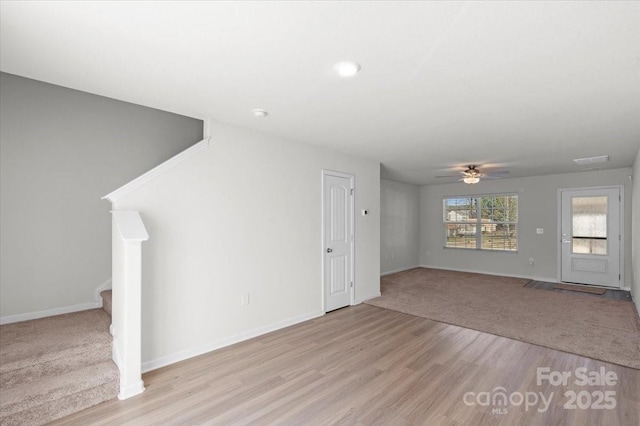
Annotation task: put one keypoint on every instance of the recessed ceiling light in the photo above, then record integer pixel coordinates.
(260, 113)
(591, 160)
(347, 68)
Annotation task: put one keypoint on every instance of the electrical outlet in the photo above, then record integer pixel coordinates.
(244, 299)
(531, 261)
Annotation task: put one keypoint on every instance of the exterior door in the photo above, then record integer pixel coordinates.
(591, 237)
(337, 239)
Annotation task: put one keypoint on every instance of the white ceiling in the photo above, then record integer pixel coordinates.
(522, 86)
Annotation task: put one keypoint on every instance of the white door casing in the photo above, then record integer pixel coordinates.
(591, 236)
(338, 239)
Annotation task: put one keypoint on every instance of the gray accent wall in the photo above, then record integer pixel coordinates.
(61, 150)
(537, 209)
(399, 226)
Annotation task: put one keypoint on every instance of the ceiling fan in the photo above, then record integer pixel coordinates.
(472, 175)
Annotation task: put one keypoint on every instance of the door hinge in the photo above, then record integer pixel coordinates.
(351, 284)
(619, 277)
(619, 237)
(352, 190)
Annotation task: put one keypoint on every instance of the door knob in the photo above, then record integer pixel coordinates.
(329, 250)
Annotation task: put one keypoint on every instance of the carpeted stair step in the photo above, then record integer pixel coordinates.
(106, 300)
(56, 366)
(59, 396)
(29, 343)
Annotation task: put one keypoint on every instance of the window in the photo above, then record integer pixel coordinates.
(487, 222)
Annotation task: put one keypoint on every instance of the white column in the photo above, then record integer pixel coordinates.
(128, 234)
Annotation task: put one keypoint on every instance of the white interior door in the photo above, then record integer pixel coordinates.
(338, 239)
(591, 237)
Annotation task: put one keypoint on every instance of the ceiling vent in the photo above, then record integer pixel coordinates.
(591, 160)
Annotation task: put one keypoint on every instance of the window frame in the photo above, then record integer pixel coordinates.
(477, 223)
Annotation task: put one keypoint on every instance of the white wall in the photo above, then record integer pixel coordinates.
(399, 226)
(243, 216)
(61, 150)
(537, 209)
(635, 283)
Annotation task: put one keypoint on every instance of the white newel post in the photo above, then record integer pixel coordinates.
(128, 233)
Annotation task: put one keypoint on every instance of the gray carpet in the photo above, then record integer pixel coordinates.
(604, 329)
(56, 366)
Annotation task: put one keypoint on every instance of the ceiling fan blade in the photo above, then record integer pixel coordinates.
(498, 174)
(445, 176)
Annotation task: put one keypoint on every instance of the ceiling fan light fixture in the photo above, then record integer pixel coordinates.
(471, 180)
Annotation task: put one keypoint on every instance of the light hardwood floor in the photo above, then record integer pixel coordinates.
(366, 365)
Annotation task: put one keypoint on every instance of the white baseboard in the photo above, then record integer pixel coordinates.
(104, 286)
(395, 271)
(49, 312)
(364, 299)
(475, 271)
(9, 319)
(199, 350)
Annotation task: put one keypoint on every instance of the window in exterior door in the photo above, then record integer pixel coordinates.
(589, 225)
